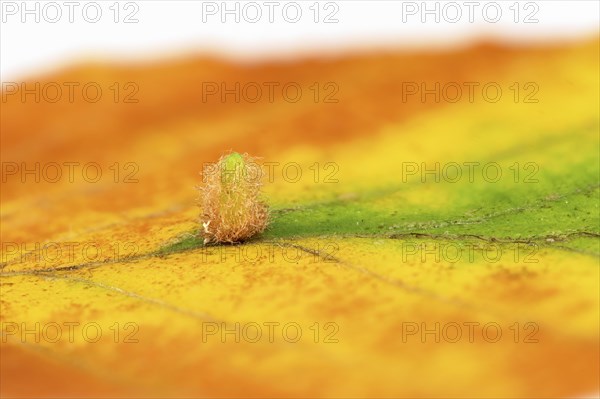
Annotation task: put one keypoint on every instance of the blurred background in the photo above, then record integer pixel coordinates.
(360, 112)
(259, 30)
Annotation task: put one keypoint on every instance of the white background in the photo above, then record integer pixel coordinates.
(182, 27)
